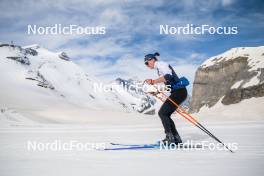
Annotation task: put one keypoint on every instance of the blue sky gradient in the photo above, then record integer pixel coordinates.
(132, 30)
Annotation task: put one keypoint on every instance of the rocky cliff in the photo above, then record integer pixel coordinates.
(229, 78)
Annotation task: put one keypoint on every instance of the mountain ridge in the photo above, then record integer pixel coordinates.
(232, 76)
(41, 74)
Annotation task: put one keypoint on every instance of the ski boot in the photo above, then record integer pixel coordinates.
(169, 139)
(177, 139)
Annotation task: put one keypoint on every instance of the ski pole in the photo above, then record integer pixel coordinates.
(194, 123)
(186, 117)
(193, 120)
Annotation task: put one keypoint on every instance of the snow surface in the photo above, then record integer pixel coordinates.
(237, 84)
(248, 109)
(33, 46)
(253, 81)
(242, 123)
(105, 127)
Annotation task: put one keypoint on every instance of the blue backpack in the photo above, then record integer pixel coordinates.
(181, 83)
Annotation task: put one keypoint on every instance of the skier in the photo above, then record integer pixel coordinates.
(178, 94)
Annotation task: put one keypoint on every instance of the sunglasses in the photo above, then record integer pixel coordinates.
(146, 63)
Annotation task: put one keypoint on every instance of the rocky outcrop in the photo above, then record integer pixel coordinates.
(21, 59)
(21, 54)
(230, 77)
(64, 56)
(40, 79)
(236, 95)
(145, 103)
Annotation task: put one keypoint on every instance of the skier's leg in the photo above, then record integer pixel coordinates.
(173, 127)
(178, 96)
(175, 133)
(164, 113)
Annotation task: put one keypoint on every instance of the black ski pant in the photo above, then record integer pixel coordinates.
(166, 110)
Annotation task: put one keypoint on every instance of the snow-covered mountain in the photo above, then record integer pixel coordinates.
(229, 78)
(138, 99)
(34, 77)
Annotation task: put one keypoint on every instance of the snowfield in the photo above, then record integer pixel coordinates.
(86, 126)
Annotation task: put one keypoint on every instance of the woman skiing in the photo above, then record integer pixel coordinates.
(178, 94)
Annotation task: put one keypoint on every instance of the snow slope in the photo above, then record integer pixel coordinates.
(33, 77)
(249, 109)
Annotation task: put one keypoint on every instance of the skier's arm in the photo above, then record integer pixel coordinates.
(159, 80)
(155, 81)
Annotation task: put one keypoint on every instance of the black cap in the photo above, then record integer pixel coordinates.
(151, 56)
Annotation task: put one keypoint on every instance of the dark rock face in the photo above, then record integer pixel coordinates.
(147, 102)
(23, 60)
(22, 57)
(31, 51)
(236, 95)
(27, 51)
(215, 82)
(64, 56)
(41, 81)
